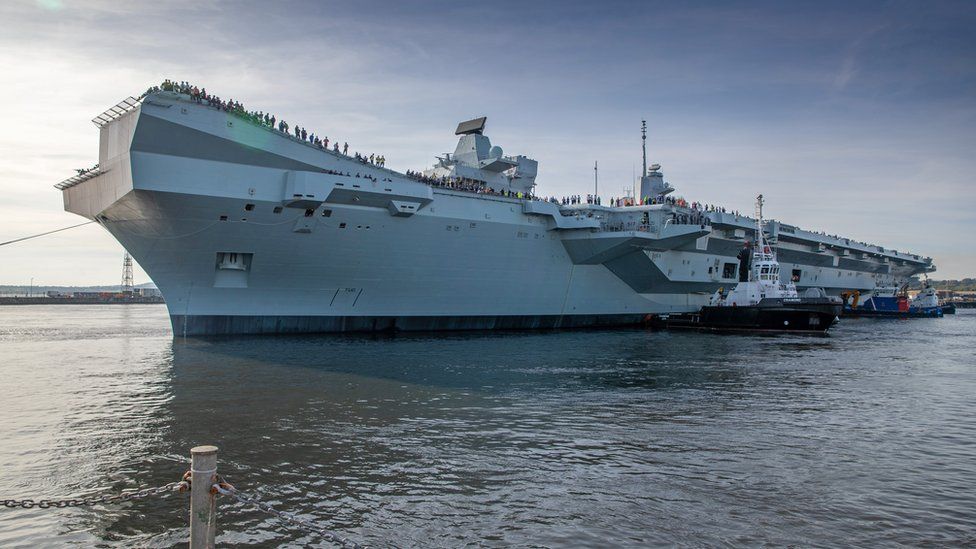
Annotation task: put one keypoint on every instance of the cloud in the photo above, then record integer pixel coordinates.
(846, 73)
(849, 118)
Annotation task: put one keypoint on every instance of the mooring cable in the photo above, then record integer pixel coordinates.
(43, 234)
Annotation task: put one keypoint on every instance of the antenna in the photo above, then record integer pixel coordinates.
(644, 146)
(763, 251)
(596, 181)
(759, 205)
(127, 273)
(759, 224)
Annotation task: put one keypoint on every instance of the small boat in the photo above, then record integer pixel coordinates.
(926, 302)
(893, 302)
(886, 299)
(762, 303)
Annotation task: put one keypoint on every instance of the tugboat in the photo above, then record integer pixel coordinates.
(761, 302)
(926, 303)
(893, 302)
(884, 299)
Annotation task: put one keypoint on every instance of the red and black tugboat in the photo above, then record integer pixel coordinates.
(760, 302)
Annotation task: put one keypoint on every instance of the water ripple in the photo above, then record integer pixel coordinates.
(588, 439)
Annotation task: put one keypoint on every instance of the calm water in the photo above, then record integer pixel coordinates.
(624, 438)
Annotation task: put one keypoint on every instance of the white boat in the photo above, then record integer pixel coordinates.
(764, 277)
(762, 302)
(926, 301)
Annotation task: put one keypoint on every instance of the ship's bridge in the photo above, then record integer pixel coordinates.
(475, 159)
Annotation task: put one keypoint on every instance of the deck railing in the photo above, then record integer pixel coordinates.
(83, 175)
(116, 111)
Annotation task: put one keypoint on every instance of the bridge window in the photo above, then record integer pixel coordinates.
(729, 269)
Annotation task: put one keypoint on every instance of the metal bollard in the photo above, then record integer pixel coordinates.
(203, 504)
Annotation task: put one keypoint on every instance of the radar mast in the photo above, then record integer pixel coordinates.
(644, 147)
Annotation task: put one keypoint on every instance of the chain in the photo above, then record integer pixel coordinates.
(221, 487)
(178, 486)
(224, 488)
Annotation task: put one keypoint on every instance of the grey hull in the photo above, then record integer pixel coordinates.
(247, 230)
(210, 325)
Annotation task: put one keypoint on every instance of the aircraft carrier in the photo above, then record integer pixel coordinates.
(246, 229)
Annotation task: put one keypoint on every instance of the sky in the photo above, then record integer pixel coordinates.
(857, 118)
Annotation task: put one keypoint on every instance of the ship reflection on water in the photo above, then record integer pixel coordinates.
(460, 427)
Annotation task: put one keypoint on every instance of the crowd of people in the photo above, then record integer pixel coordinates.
(677, 218)
(465, 184)
(695, 217)
(262, 118)
(577, 199)
(272, 122)
(83, 171)
(462, 184)
(698, 206)
(349, 174)
(668, 200)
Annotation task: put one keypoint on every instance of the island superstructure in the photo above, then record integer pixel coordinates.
(246, 229)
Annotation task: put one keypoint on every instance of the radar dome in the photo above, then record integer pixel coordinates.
(495, 152)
